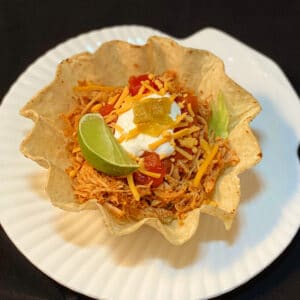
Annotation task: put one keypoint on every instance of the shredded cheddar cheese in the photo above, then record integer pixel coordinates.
(149, 87)
(137, 97)
(159, 84)
(162, 92)
(141, 90)
(125, 107)
(156, 144)
(109, 118)
(203, 167)
(190, 110)
(179, 119)
(183, 153)
(112, 100)
(188, 142)
(150, 174)
(127, 136)
(205, 146)
(96, 107)
(124, 94)
(88, 106)
(132, 187)
(185, 131)
(118, 128)
(166, 86)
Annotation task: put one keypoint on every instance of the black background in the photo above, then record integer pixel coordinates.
(29, 28)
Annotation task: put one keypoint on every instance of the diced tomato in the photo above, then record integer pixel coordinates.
(152, 163)
(106, 109)
(135, 83)
(157, 181)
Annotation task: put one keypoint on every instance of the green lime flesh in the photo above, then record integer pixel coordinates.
(101, 149)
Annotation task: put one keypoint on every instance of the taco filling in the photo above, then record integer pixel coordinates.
(177, 141)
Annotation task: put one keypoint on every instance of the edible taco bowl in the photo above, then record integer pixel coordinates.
(111, 65)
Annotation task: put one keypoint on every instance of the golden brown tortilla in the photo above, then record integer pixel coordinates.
(112, 64)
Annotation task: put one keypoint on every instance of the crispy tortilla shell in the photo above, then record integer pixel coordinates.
(112, 64)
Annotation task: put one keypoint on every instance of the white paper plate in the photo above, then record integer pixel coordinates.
(76, 250)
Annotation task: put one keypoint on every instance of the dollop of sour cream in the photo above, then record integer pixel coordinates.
(140, 143)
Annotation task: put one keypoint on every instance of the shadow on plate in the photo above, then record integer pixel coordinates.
(37, 182)
(250, 191)
(265, 192)
(86, 229)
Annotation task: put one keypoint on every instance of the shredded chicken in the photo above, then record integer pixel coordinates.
(176, 195)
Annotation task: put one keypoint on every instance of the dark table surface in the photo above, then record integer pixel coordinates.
(29, 28)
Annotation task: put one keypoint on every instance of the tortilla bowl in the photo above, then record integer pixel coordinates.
(112, 64)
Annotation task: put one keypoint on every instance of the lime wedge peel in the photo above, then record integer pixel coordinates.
(101, 149)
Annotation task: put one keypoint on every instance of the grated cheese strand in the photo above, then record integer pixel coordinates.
(141, 90)
(179, 118)
(109, 118)
(202, 169)
(88, 106)
(158, 84)
(156, 144)
(149, 87)
(96, 107)
(124, 94)
(190, 110)
(205, 146)
(162, 92)
(132, 187)
(185, 131)
(166, 86)
(127, 136)
(150, 174)
(112, 100)
(183, 153)
(127, 105)
(118, 128)
(137, 97)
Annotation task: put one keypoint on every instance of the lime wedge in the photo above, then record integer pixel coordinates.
(100, 148)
